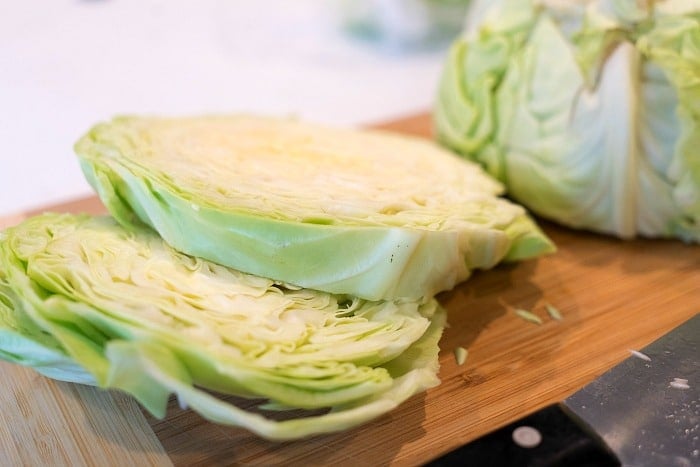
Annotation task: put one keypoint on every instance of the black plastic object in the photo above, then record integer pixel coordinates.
(551, 437)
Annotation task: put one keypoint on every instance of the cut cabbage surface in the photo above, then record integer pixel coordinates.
(24, 343)
(82, 299)
(371, 214)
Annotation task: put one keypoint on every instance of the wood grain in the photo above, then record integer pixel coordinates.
(46, 422)
(614, 296)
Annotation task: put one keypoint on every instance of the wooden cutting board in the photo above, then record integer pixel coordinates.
(613, 295)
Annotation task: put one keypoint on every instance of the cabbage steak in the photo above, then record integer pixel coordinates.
(364, 213)
(84, 300)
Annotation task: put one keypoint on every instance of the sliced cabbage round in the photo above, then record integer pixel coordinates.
(144, 318)
(370, 214)
(588, 111)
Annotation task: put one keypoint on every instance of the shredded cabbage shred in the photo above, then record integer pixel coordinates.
(365, 213)
(588, 111)
(83, 299)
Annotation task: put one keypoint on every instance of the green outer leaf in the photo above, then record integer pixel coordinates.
(82, 280)
(372, 256)
(674, 45)
(465, 113)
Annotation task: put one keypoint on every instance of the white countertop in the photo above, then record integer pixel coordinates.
(67, 64)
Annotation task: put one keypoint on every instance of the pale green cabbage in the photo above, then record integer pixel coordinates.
(588, 111)
(82, 299)
(23, 342)
(370, 214)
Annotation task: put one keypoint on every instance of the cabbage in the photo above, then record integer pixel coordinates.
(23, 342)
(373, 215)
(588, 111)
(121, 309)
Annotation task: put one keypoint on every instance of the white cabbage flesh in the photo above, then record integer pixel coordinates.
(121, 309)
(370, 214)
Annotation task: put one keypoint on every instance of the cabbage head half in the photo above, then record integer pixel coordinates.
(370, 214)
(588, 111)
(84, 300)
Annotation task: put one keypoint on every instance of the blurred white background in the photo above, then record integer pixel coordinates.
(67, 64)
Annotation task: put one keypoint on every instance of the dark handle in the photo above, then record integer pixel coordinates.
(550, 437)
